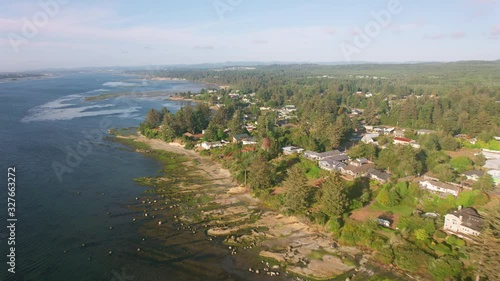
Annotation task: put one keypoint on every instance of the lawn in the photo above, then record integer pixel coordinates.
(400, 209)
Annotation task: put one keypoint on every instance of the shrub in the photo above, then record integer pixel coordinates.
(440, 234)
(384, 255)
(410, 258)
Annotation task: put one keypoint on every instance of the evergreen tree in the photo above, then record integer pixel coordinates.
(296, 189)
(333, 200)
(260, 174)
(484, 183)
(484, 253)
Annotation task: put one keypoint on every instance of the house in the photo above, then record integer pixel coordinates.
(385, 222)
(330, 164)
(495, 174)
(425, 132)
(288, 150)
(339, 158)
(369, 138)
(240, 137)
(249, 140)
(463, 221)
(368, 95)
(379, 175)
(389, 130)
(440, 187)
(405, 141)
(473, 175)
(320, 155)
(357, 171)
(399, 133)
(209, 145)
(359, 162)
(368, 127)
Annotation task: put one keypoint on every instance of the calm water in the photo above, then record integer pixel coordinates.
(43, 123)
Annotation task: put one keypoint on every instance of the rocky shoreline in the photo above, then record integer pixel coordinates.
(212, 203)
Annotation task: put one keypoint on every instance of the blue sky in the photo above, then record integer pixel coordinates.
(75, 33)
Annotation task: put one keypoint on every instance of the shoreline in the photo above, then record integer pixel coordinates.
(285, 243)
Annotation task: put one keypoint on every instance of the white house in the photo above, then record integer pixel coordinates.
(463, 221)
(440, 187)
(425, 132)
(250, 140)
(368, 138)
(405, 141)
(287, 150)
(320, 155)
(331, 165)
(209, 145)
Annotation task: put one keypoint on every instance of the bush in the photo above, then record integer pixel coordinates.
(410, 258)
(443, 249)
(440, 234)
(455, 241)
(335, 227)
(384, 255)
(445, 268)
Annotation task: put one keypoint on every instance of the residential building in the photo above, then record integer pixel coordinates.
(369, 138)
(359, 162)
(405, 141)
(249, 140)
(463, 221)
(399, 133)
(210, 145)
(473, 175)
(240, 137)
(357, 171)
(287, 150)
(331, 165)
(440, 187)
(425, 132)
(379, 175)
(320, 155)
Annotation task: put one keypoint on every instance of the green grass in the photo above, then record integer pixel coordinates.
(311, 169)
(400, 209)
(492, 145)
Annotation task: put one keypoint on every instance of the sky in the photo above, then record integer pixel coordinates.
(70, 33)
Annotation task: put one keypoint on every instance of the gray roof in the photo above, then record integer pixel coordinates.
(470, 218)
(379, 174)
(340, 157)
(322, 154)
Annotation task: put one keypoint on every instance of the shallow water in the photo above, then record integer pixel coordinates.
(69, 219)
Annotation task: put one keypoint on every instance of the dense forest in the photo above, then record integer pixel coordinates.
(460, 97)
